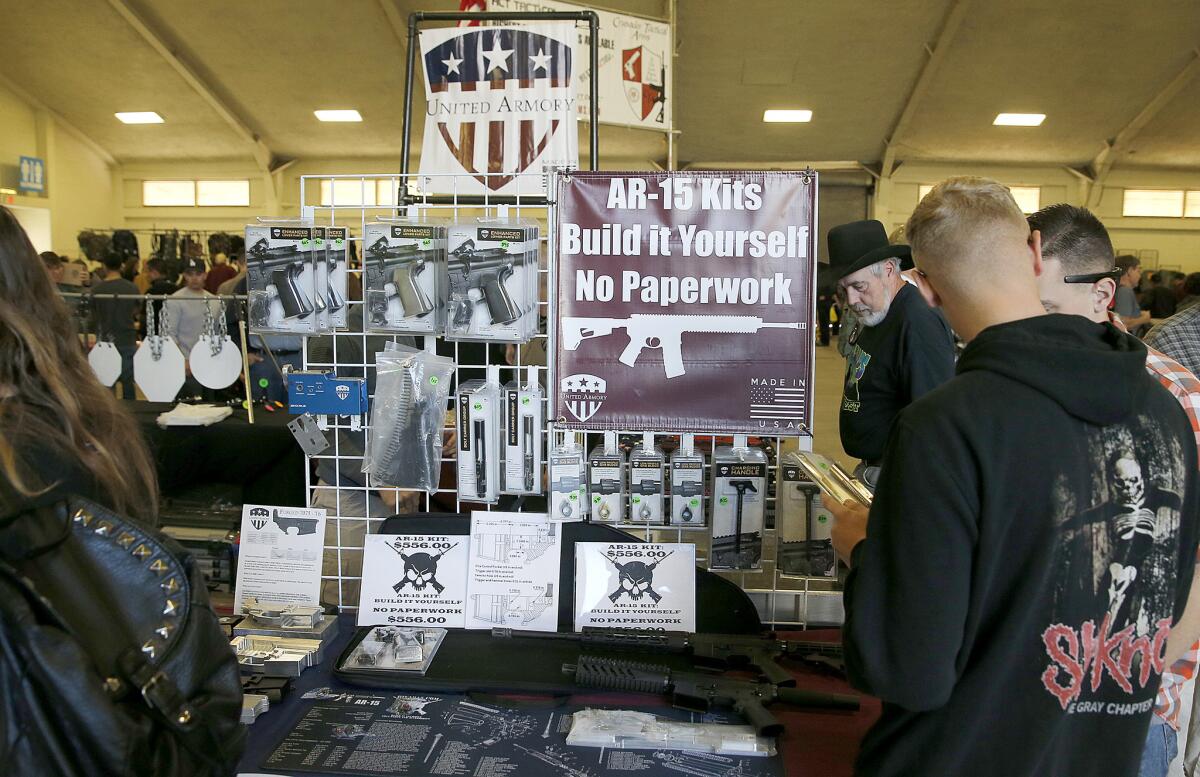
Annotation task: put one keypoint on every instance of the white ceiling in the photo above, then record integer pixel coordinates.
(1090, 65)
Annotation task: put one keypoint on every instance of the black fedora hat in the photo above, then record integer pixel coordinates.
(861, 244)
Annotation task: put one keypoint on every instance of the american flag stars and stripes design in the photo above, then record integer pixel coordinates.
(777, 403)
(499, 97)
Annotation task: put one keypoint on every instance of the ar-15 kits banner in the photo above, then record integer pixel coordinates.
(684, 301)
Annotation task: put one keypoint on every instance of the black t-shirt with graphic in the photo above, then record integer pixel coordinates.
(908, 354)
(1032, 538)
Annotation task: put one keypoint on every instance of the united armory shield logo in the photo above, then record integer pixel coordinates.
(342, 391)
(259, 517)
(584, 395)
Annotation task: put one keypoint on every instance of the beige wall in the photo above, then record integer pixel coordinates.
(1176, 240)
(79, 182)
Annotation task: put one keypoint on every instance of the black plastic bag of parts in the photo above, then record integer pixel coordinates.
(408, 414)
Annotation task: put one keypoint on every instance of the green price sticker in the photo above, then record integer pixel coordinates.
(573, 497)
(525, 401)
(478, 406)
(596, 500)
(637, 499)
(504, 244)
(694, 503)
(433, 380)
(304, 241)
(426, 242)
(263, 383)
(724, 500)
(822, 518)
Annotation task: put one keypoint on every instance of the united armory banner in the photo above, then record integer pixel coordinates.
(685, 301)
(501, 100)
(635, 65)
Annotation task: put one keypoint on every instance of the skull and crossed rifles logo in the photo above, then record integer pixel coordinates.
(635, 579)
(420, 570)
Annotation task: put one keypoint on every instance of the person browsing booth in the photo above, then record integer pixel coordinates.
(1033, 536)
(1079, 277)
(900, 349)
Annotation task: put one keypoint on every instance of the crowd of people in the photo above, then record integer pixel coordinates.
(1021, 576)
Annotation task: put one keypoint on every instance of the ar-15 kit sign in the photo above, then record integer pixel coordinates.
(643, 585)
(685, 301)
(413, 580)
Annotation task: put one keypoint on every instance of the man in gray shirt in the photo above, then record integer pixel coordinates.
(1126, 305)
(185, 317)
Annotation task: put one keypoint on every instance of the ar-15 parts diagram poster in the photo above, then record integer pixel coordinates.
(642, 585)
(685, 301)
(279, 560)
(406, 734)
(513, 580)
(413, 580)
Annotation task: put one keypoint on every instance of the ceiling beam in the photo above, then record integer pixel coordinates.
(937, 55)
(397, 23)
(262, 154)
(1116, 147)
(99, 150)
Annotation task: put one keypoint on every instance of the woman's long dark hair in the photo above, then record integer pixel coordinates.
(50, 399)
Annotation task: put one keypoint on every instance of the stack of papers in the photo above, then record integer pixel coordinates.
(184, 414)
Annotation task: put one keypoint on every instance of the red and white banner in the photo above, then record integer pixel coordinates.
(501, 108)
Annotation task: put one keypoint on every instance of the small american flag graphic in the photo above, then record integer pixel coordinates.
(771, 403)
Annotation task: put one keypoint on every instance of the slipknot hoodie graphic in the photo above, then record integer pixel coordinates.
(1031, 542)
(1117, 568)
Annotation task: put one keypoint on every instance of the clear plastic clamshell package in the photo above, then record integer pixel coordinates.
(687, 484)
(802, 523)
(408, 413)
(606, 480)
(281, 279)
(633, 730)
(568, 480)
(523, 417)
(404, 272)
(337, 248)
(479, 438)
(739, 497)
(492, 280)
(646, 466)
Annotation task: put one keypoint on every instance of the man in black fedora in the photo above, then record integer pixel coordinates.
(900, 349)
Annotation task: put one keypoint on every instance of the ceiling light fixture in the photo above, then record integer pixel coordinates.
(139, 117)
(787, 117)
(1019, 119)
(348, 114)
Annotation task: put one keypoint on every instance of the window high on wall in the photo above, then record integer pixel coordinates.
(1029, 198)
(190, 194)
(1161, 203)
(358, 193)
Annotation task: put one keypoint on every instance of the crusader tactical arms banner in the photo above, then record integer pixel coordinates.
(684, 301)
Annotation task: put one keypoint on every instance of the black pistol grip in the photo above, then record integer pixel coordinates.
(775, 674)
(501, 306)
(758, 716)
(286, 285)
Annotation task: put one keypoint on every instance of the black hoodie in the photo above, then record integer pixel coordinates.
(1032, 538)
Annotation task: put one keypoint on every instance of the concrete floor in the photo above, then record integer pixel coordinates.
(830, 372)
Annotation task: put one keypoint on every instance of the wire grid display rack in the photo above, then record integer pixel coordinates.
(781, 599)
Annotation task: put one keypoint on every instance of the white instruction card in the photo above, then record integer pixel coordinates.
(413, 580)
(279, 561)
(640, 585)
(513, 580)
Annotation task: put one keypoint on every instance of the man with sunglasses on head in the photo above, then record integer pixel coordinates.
(1080, 277)
(1034, 534)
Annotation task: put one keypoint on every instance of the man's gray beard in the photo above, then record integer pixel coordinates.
(875, 319)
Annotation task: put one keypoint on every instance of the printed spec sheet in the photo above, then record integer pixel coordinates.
(279, 560)
(513, 580)
(407, 734)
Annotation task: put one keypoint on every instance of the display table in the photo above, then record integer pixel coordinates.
(262, 458)
(820, 744)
